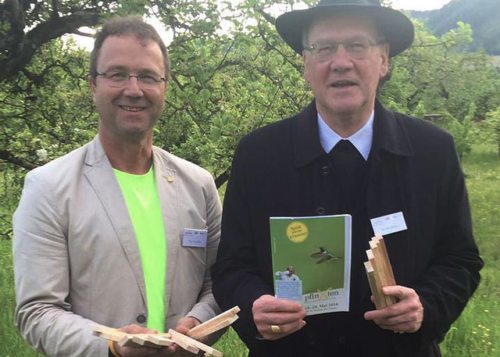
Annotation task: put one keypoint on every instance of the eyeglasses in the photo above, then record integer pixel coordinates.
(119, 79)
(358, 48)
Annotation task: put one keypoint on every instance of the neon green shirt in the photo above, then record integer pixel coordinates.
(144, 208)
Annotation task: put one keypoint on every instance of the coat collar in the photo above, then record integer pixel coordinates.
(388, 135)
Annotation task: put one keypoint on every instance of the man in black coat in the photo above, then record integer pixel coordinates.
(397, 164)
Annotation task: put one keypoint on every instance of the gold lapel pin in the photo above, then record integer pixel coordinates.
(170, 179)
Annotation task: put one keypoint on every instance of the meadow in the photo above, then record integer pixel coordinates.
(475, 334)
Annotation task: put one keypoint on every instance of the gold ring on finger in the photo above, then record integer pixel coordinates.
(275, 329)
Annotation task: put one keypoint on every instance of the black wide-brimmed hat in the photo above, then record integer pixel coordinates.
(394, 25)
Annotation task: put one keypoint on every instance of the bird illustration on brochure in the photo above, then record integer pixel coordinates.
(311, 259)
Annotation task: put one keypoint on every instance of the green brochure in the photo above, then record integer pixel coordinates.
(312, 261)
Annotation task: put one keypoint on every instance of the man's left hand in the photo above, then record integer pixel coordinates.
(404, 316)
(185, 324)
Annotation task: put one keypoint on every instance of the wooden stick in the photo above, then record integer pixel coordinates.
(383, 248)
(132, 339)
(191, 342)
(374, 286)
(214, 324)
(108, 333)
(379, 272)
(160, 339)
(380, 266)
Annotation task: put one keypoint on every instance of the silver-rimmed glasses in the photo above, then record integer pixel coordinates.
(119, 79)
(358, 48)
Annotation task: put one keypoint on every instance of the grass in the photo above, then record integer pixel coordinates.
(474, 334)
(11, 343)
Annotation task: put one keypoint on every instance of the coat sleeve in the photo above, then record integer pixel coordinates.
(453, 273)
(236, 274)
(42, 277)
(206, 307)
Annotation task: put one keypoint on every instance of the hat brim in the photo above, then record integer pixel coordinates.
(395, 26)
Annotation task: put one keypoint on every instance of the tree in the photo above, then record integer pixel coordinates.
(42, 120)
(226, 83)
(437, 78)
(27, 25)
(231, 73)
(489, 130)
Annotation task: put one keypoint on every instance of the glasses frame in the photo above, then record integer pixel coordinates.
(348, 46)
(122, 82)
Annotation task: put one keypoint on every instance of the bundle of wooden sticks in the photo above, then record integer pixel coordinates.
(189, 342)
(379, 272)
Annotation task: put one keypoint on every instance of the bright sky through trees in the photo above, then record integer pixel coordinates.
(419, 4)
(87, 42)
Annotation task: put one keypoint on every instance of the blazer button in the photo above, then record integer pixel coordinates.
(320, 210)
(325, 170)
(141, 318)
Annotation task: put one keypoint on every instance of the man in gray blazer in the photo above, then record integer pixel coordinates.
(118, 232)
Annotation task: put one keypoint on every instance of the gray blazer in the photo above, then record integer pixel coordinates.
(76, 259)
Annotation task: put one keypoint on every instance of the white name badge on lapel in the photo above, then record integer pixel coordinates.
(194, 237)
(388, 224)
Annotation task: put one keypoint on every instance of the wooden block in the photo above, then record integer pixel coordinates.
(183, 341)
(160, 339)
(156, 340)
(380, 271)
(374, 286)
(127, 340)
(200, 333)
(209, 351)
(214, 324)
(380, 268)
(383, 249)
(108, 333)
(142, 339)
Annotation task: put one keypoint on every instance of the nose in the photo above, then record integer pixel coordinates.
(132, 87)
(341, 60)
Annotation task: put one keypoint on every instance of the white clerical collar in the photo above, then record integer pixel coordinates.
(362, 139)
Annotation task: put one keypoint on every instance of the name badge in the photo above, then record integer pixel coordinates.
(388, 224)
(194, 237)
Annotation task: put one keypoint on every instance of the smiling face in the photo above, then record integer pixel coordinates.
(130, 112)
(345, 87)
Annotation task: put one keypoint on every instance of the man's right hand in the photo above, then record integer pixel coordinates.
(276, 318)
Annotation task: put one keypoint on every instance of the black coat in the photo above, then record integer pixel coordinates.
(282, 170)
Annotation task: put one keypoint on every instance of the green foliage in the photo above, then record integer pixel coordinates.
(49, 113)
(436, 78)
(476, 332)
(461, 130)
(11, 343)
(231, 345)
(481, 14)
(226, 83)
(489, 129)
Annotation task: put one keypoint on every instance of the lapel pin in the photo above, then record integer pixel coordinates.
(170, 179)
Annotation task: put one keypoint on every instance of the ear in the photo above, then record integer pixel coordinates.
(167, 86)
(305, 58)
(92, 87)
(384, 57)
